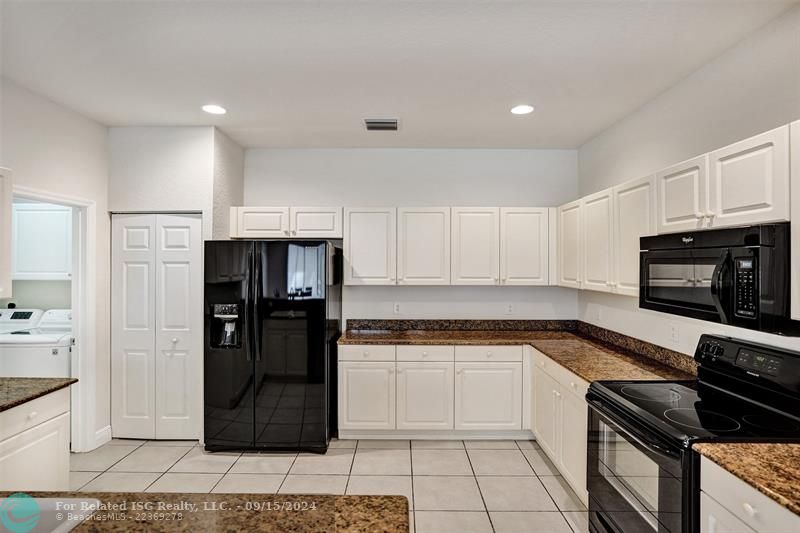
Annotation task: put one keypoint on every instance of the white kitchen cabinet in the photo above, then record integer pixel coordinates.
(476, 247)
(732, 505)
(488, 396)
(256, 222)
(795, 188)
(423, 246)
(524, 246)
(683, 196)
(749, 181)
(261, 222)
(41, 242)
(570, 245)
(6, 202)
(634, 207)
(34, 444)
(425, 395)
(545, 415)
(597, 237)
(370, 246)
(367, 395)
(156, 326)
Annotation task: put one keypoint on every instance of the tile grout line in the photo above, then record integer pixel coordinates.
(226, 473)
(475, 477)
(350, 472)
(161, 474)
(413, 508)
(286, 476)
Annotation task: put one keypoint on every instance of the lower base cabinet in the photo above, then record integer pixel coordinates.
(34, 445)
(367, 395)
(424, 395)
(560, 420)
(488, 396)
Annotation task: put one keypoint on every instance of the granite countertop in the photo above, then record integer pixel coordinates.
(773, 469)
(242, 512)
(16, 391)
(588, 358)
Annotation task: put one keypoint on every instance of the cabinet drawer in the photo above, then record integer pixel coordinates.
(25, 416)
(366, 352)
(425, 353)
(37, 458)
(488, 353)
(540, 360)
(745, 502)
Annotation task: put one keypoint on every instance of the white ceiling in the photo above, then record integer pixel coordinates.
(305, 74)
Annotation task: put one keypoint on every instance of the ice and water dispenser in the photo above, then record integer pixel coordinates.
(226, 326)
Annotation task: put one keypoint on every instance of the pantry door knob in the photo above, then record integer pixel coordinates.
(174, 340)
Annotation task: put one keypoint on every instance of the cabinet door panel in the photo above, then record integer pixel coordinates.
(544, 410)
(683, 195)
(423, 246)
(367, 395)
(634, 217)
(6, 199)
(714, 518)
(42, 242)
(488, 396)
(37, 459)
(262, 222)
(573, 441)
(316, 222)
(476, 246)
(425, 395)
(749, 180)
(370, 245)
(795, 282)
(596, 213)
(524, 246)
(570, 248)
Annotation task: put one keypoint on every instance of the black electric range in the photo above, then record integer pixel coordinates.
(642, 474)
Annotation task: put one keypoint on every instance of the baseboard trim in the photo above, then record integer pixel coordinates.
(102, 436)
(437, 435)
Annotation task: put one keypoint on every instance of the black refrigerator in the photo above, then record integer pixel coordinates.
(272, 319)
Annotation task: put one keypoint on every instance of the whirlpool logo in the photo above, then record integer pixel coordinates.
(19, 513)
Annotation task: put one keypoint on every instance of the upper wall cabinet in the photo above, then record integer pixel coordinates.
(569, 245)
(423, 246)
(524, 245)
(634, 217)
(6, 199)
(41, 242)
(286, 222)
(596, 217)
(749, 181)
(370, 243)
(476, 250)
(682, 196)
(795, 261)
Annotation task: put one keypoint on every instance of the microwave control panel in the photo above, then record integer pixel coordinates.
(745, 287)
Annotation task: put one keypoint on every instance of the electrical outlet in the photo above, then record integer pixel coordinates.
(397, 308)
(510, 309)
(676, 335)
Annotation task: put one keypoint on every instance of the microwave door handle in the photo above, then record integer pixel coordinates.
(718, 285)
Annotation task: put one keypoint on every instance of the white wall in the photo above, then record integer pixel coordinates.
(751, 88)
(40, 294)
(411, 177)
(53, 149)
(162, 169)
(228, 182)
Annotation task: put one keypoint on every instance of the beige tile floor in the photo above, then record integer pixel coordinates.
(451, 486)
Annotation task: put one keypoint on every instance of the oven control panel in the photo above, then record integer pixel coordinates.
(745, 288)
(758, 362)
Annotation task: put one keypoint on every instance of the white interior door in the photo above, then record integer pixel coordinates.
(476, 246)
(683, 196)
(634, 217)
(6, 199)
(133, 283)
(423, 246)
(524, 246)
(179, 325)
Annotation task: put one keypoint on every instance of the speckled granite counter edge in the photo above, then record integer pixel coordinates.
(746, 462)
(39, 387)
(602, 336)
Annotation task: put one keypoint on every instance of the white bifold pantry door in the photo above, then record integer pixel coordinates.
(156, 326)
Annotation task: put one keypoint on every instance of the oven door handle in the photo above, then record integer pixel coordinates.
(627, 433)
(718, 286)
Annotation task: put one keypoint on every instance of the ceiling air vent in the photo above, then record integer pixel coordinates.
(381, 124)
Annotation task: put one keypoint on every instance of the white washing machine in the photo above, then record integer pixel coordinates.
(35, 348)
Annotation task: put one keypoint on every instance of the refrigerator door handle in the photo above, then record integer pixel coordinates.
(247, 301)
(257, 326)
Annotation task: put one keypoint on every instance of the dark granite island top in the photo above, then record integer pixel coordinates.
(163, 512)
(16, 391)
(773, 469)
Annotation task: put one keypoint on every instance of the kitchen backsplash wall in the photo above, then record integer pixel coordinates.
(30, 294)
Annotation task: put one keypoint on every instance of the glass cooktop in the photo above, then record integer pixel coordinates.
(690, 411)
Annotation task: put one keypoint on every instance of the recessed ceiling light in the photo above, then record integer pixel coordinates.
(522, 109)
(214, 109)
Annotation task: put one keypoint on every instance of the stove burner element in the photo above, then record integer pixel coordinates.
(707, 420)
(650, 394)
(772, 422)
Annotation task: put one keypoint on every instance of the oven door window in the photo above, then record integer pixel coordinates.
(634, 485)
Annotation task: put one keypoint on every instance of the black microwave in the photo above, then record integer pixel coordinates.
(736, 276)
